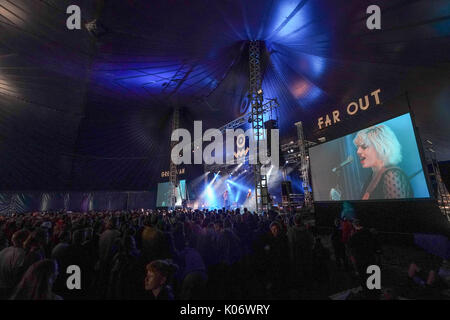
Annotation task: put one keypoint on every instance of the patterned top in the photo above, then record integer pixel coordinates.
(394, 184)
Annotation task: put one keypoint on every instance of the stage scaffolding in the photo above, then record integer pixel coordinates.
(441, 193)
(296, 155)
(259, 111)
(304, 165)
(173, 167)
(257, 119)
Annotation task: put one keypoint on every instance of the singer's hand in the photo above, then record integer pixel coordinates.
(334, 194)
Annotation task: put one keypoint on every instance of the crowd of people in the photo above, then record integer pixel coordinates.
(183, 254)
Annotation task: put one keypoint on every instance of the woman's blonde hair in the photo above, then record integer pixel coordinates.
(383, 139)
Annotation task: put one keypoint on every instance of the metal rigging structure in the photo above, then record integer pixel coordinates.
(269, 108)
(295, 154)
(255, 116)
(173, 179)
(304, 165)
(441, 193)
(257, 120)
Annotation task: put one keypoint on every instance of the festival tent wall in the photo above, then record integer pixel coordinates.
(82, 111)
(75, 201)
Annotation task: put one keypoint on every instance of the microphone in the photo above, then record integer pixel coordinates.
(343, 164)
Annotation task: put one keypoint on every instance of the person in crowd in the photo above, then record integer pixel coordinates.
(347, 230)
(432, 285)
(338, 245)
(301, 243)
(60, 251)
(12, 261)
(229, 253)
(321, 258)
(277, 251)
(158, 280)
(206, 245)
(107, 247)
(152, 240)
(90, 250)
(37, 282)
(124, 282)
(34, 246)
(364, 247)
(3, 241)
(192, 274)
(108, 242)
(220, 254)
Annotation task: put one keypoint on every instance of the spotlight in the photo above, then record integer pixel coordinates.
(292, 150)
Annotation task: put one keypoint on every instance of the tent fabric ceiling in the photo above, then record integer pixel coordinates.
(93, 113)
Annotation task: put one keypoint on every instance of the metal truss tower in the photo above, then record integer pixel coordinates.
(304, 165)
(257, 119)
(173, 183)
(442, 195)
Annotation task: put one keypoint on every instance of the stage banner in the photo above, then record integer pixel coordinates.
(358, 112)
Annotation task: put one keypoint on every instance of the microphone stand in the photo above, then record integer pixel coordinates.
(337, 187)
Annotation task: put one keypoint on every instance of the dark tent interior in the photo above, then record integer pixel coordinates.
(89, 111)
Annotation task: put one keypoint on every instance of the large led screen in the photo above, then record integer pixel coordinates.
(377, 163)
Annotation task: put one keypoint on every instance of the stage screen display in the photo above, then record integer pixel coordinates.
(377, 163)
(163, 195)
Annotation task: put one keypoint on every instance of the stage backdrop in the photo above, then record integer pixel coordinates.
(21, 202)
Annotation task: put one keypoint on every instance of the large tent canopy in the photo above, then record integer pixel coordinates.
(83, 111)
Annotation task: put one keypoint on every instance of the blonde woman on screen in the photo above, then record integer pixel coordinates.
(378, 148)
